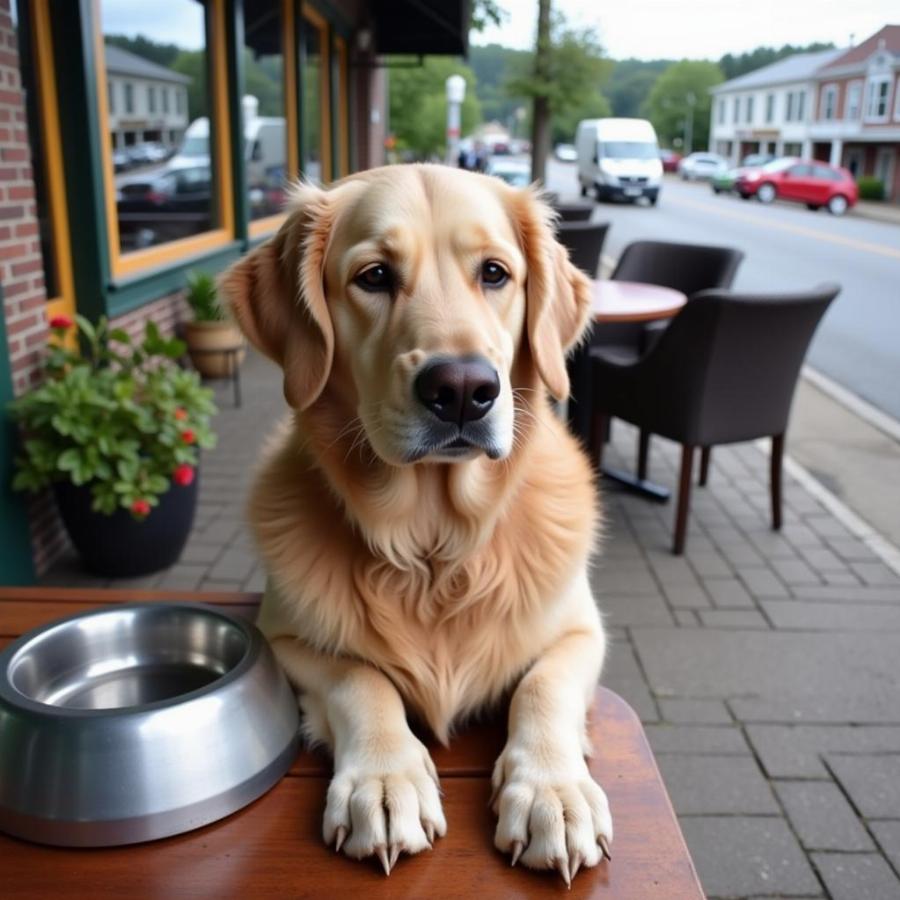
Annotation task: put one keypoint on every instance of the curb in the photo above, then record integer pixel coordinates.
(861, 530)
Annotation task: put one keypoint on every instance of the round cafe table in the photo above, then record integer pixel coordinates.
(617, 301)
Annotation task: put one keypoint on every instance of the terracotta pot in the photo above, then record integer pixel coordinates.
(209, 344)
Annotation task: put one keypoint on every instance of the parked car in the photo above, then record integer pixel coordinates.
(697, 166)
(618, 159)
(516, 172)
(725, 181)
(565, 152)
(816, 184)
(670, 160)
(121, 160)
(165, 206)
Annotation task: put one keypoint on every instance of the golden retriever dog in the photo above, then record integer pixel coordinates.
(425, 517)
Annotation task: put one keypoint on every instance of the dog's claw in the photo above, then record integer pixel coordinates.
(429, 832)
(604, 846)
(395, 853)
(517, 848)
(381, 853)
(562, 865)
(575, 861)
(340, 838)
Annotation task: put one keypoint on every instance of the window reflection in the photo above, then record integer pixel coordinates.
(157, 60)
(311, 106)
(263, 108)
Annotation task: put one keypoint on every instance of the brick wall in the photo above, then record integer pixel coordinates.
(22, 267)
(21, 273)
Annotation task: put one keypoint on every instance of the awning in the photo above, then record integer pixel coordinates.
(422, 26)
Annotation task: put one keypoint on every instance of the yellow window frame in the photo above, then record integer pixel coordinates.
(343, 129)
(63, 303)
(123, 265)
(320, 23)
(259, 227)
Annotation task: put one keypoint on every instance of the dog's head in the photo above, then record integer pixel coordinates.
(419, 299)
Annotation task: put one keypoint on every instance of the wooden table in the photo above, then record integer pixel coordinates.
(273, 848)
(616, 302)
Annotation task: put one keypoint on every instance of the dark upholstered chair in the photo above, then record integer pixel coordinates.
(688, 268)
(573, 212)
(584, 241)
(724, 371)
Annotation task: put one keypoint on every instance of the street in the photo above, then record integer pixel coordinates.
(787, 248)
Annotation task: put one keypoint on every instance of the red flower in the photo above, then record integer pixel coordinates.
(140, 508)
(61, 322)
(188, 436)
(180, 414)
(183, 475)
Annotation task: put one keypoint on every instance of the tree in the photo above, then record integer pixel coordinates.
(734, 65)
(630, 84)
(193, 64)
(569, 82)
(418, 104)
(681, 94)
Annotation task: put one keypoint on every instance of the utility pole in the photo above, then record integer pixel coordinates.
(540, 120)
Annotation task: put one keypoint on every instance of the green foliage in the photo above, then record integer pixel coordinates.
(870, 187)
(630, 83)
(202, 296)
(418, 104)
(575, 75)
(487, 12)
(492, 66)
(119, 417)
(193, 64)
(146, 48)
(668, 105)
(734, 65)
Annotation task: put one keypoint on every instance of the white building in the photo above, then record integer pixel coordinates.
(146, 102)
(768, 110)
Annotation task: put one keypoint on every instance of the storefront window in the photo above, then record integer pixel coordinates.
(313, 110)
(162, 158)
(266, 131)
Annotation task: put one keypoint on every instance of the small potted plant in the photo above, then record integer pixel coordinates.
(115, 430)
(214, 342)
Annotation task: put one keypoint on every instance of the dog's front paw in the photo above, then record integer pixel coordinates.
(384, 800)
(552, 814)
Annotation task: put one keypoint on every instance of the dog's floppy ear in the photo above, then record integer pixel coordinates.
(558, 296)
(277, 297)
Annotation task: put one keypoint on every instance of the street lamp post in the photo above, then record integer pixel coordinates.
(456, 93)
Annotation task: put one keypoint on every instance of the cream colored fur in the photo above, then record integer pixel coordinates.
(432, 588)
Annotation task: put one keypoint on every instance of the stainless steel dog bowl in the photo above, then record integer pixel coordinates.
(138, 722)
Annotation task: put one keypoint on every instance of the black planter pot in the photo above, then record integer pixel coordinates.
(120, 546)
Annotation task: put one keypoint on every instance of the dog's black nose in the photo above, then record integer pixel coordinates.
(458, 390)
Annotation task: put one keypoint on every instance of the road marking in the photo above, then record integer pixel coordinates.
(865, 246)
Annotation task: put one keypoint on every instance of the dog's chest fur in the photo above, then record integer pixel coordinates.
(451, 616)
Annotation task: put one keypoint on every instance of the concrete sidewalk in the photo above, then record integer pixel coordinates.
(766, 667)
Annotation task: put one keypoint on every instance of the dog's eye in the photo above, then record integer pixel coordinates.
(377, 278)
(493, 274)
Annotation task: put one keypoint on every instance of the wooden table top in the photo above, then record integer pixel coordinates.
(273, 847)
(634, 301)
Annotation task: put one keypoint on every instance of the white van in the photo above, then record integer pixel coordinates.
(618, 158)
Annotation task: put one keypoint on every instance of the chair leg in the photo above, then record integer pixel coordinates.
(684, 498)
(643, 453)
(775, 478)
(599, 422)
(704, 465)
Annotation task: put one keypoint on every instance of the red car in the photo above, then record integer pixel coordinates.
(670, 160)
(807, 181)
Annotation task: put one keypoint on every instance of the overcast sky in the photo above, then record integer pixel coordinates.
(700, 29)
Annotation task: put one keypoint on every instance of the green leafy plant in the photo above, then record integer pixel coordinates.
(203, 297)
(870, 188)
(120, 417)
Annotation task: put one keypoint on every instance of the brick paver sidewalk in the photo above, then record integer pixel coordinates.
(766, 667)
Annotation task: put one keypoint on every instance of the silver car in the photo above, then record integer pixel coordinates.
(699, 166)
